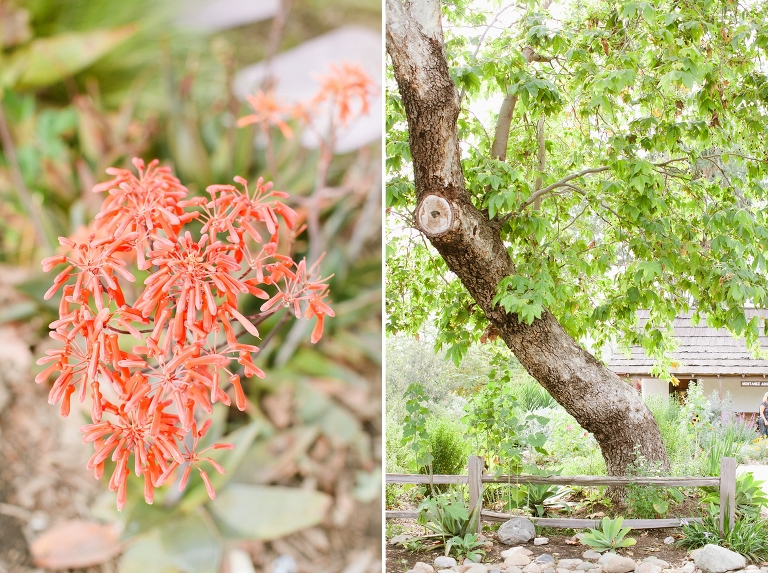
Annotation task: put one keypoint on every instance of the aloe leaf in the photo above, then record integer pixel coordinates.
(266, 512)
(46, 61)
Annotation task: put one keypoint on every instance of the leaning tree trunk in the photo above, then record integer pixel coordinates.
(472, 247)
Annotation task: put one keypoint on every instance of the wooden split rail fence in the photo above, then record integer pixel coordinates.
(476, 478)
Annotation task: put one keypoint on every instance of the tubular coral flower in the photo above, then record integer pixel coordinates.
(149, 435)
(192, 276)
(267, 113)
(142, 204)
(193, 458)
(343, 85)
(96, 261)
(146, 402)
(238, 212)
(301, 291)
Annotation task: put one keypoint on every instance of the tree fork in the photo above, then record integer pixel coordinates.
(472, 248)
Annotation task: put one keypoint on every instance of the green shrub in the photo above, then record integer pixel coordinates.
(748, 536)
(724, 447)
(531, 395)
(648, 501)
(677, 433)
(448, 447)
(572, 449)
(755, 451)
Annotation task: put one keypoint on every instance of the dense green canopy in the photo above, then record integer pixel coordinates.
(652, 177)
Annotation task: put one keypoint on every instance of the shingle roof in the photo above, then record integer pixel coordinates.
(701, 351)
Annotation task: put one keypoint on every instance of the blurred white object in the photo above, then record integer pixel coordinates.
(296, 70)
(240, 562)
(217, 15)
(284, 564)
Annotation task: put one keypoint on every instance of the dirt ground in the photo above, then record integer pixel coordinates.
(650, 542)
(43, 480)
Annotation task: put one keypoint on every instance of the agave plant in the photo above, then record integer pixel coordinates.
(609, 537)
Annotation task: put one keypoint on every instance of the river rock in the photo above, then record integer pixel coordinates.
(590, 554)
(562, 570)
(688, 568)
(541, 541)
(516, 530)
(585, 566)
(426, 567)
(648, 567)
(514, 569)
(544, 559)
(532, 568)
(569, 563)
(519, 550)
(613, 563)
(517, 559)
(656, 561)
(714, 559)
(477, 568)
(445, 562)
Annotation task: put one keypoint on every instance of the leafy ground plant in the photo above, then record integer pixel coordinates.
(750, 496)
(748, 536)
(447, 517)
(649, 501)
(468, 546)
(609, 537)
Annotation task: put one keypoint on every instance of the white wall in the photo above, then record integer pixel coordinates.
(654, 387)
(745, 399)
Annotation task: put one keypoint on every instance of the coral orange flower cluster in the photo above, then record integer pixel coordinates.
(154, 366)
(346, 88)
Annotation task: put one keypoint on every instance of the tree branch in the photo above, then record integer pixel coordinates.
(503, 123)
(562, 183)
(542, 158)
(549, 188)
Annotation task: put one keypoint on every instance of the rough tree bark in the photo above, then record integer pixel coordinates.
(472, 247)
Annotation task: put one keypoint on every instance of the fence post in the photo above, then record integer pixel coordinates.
(474, 479)
(727, 492)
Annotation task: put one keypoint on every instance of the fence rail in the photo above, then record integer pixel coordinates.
(557, 522)
(475, 479)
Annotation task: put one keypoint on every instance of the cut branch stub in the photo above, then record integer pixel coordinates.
(435, 215)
